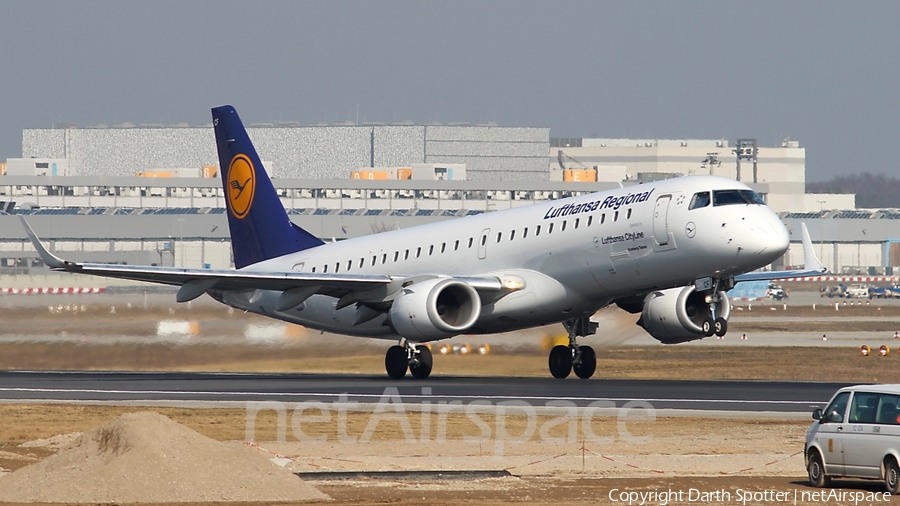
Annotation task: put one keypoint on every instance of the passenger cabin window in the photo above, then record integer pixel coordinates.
(470, 242)
(314, 269)
(325, 269)
(550, 229)
(525, 233)
(603, 218)
(590, 220)
(563, 228)
(512, 235)
(628, 217)
(396, 255)
(374, 258)
(616, 216)
(443, 247)
(418, 252)
(362, 262)
(537, 230)
(699, 200)
(456, 245)
(349, 264)
(384, 258)
(337, 267)
(732, 197)
(576, 222)
(499, 235)
(406, 255)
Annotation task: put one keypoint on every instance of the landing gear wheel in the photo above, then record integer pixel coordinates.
(892, 476)
(585, 366)
(560, 361)
(421, 367)
(721, 326)
(708, 327)
(396, 362)
(816, 472)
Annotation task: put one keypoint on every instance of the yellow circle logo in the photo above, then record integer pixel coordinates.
(241, 185)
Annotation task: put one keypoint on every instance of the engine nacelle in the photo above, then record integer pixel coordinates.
(435, 309)
(676, 315)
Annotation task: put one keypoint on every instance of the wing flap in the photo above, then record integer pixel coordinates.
(229, 279)
(196, 282)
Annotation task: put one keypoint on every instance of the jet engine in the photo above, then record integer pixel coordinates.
(435, 309)
(678, 315)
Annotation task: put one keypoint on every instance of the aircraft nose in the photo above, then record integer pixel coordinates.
(768, 239)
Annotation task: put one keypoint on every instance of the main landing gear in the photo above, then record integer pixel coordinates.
(574, 357)
(406, 355)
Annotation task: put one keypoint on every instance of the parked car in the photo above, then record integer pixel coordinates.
(892, 291)
(856, 436)
(857, 291)
(832, 291)
(777, 292)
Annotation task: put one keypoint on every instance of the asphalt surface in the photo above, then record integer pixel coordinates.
(741, 396)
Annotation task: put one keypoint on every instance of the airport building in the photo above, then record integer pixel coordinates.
(151, 195)
(489, 152)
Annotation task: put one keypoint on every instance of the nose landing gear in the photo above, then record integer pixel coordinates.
(716, 325)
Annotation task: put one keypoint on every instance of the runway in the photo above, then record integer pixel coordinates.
(740, 396)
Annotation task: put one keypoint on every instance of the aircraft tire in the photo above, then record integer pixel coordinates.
(395, 362)
(709, 327)
(587, 364)
(423, 369)
(560, 361)
(721, 326)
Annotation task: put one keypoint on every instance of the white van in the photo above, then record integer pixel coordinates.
(857, 436)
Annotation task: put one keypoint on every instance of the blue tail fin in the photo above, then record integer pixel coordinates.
(260, 227)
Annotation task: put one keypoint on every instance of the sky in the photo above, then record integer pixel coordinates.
(823, 72)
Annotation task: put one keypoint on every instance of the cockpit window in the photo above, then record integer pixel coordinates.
(731, 197)
(700, 200)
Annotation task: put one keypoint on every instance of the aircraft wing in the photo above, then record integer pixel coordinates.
(812, 265)
(196, 282)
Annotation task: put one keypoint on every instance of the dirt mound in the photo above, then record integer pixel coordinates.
(146, 457)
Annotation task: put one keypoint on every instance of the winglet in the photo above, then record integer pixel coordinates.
(50, 260)
(810, 261)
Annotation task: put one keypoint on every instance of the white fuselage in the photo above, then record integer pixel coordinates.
(575, 255)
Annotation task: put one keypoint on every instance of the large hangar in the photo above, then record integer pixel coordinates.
(490, 153)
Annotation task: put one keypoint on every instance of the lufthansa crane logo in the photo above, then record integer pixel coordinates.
(241, 185)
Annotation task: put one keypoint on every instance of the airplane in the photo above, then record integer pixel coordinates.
(668, 250)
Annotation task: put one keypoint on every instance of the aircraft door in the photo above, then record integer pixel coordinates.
(661, 220)
(482, 243)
